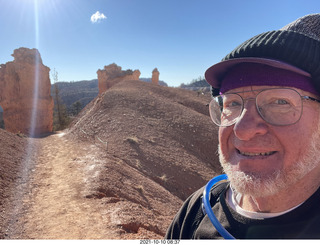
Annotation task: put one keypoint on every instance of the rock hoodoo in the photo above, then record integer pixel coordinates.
(113, 74)
(155, 76)
(25, 93)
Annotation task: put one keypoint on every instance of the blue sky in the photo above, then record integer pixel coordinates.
(182, 38)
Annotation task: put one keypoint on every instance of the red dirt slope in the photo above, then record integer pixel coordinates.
(121, 171)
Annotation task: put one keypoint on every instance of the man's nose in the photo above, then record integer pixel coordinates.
(250, 123)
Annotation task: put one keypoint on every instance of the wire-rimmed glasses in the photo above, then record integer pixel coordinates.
(277, 106)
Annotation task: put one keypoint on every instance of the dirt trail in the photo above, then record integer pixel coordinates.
(57, 207)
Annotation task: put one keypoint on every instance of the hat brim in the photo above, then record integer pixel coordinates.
(215, 74)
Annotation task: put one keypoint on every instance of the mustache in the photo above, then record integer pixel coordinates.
(257, 185)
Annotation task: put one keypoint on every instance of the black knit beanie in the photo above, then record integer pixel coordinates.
(297, 44)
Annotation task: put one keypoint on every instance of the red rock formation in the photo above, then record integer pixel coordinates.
(25, 93)
(155, 76)
(113, 74)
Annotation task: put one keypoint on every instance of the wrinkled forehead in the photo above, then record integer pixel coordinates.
(252, 75)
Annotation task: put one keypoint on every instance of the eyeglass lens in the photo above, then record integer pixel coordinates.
(281, 106)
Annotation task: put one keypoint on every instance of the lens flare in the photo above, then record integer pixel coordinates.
(22, 184)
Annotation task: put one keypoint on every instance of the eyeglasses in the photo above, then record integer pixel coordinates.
(277, 106)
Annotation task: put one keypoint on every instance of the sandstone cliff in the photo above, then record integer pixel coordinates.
(25, 93)
(113, 74)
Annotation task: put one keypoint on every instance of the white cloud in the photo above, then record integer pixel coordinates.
(97, 17)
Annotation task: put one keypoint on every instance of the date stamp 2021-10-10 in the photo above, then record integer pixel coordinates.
(159, 242)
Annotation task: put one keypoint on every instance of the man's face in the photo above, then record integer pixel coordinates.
(261, 159)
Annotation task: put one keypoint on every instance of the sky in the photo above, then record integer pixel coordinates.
(181, 38)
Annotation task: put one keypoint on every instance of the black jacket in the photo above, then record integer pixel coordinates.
(190, 222)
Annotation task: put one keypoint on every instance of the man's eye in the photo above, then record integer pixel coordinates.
(232, 104)
(281, 102)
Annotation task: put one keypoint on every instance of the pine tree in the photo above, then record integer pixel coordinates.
(76, 108)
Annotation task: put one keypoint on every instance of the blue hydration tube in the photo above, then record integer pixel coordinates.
(206, 193)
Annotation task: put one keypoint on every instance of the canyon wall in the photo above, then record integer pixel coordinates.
(25, 94)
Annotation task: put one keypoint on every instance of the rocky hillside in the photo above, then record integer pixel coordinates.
(142, 149)
(86, 90)
(72, 92)
(164, 133)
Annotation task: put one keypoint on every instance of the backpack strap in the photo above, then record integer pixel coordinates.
(215, 193)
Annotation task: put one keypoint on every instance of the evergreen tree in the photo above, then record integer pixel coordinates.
(76, 108)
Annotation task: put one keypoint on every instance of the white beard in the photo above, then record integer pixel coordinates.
(260, 186)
